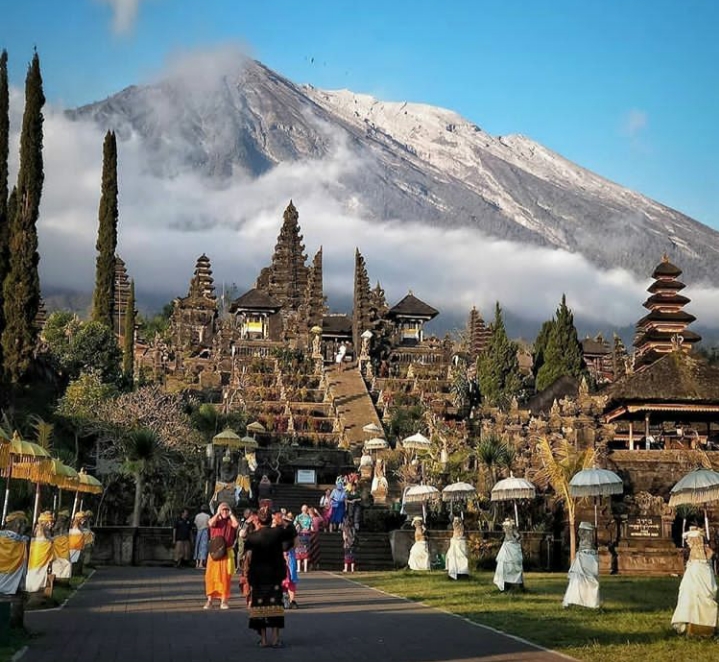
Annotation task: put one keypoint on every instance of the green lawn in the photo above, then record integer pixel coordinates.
(633, 624)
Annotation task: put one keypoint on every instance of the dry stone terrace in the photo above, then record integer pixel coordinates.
(155, 615)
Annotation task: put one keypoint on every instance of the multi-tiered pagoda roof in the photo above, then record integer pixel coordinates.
(664, 328)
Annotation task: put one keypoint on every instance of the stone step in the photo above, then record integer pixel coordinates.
(372, 552)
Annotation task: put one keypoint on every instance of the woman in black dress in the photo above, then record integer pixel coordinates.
(267, 569)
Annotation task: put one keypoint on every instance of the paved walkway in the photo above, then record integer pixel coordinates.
(353, 402)
(155, 615)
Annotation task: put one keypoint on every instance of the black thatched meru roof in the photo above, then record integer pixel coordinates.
(255, 299)
(411, 306)
(677, 377)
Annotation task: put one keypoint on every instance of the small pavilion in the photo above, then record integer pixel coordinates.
(672, 404)
(409, 316)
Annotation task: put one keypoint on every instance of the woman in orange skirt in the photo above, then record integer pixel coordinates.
(218, 574)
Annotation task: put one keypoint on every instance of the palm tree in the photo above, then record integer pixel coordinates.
(492, 453)
(560, 461)
(142, 450)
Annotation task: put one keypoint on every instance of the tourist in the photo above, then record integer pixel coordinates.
(338, 498)
(348, 543)
(249, 524)
(220, 562)
(267, 570)
(326, 507)
(181, 538)
(303, 524)
(265, 491)
(289, 584)
(318, 522)
(339, 359)
(202, 537)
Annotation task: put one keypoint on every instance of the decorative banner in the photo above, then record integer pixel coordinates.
(77, 542)
(38, 564)
(61, 566)
(13, 561)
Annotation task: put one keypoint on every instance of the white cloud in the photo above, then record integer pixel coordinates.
(165, 224)
(634, 123)
(124, 13)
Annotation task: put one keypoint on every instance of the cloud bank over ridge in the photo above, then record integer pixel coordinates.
(166, 223)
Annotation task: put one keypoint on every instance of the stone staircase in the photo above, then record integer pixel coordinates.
(372, 552)
(353, 404)
(293, 496)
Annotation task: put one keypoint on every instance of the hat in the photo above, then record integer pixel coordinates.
(587, 526)
(45, 517)
(17, 514)
(416, 519)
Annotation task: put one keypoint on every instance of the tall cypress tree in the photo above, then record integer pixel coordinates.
(498, 367)
(128, 348)
(563, 353)
(4, 153)
(540, 346)
(21, 288)
(104, 295)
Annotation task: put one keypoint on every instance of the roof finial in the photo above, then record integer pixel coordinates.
(665, 257)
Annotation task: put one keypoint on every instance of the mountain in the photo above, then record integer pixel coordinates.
(414, 163)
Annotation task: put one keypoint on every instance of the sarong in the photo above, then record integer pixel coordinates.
(302, 546)
(266, 608)
(218, 576)
(201, 542)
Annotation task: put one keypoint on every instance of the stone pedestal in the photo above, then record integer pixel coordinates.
(634, 557)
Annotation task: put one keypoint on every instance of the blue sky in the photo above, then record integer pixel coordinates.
(627, 89)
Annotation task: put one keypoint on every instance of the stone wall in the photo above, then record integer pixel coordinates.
(125, 545)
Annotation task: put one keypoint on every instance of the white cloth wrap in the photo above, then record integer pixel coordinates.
(697, 602)
(457, 562)
(583, 588)
(509, 564)
(419, 556)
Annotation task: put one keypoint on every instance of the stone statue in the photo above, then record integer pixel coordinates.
(509, 559)
(457, 562)
(696, 611)
(13, 552)
(41, 553)
(419, 552)
(316, 345)
(583, 588)
(61, 566)
(76, 537)
(366, 465)
(379, 482)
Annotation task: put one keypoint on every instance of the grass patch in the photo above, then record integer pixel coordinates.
(60, 593)
(13, 642)
(633, 624)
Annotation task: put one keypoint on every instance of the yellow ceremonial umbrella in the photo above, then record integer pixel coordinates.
(86, 484)
(26, 460)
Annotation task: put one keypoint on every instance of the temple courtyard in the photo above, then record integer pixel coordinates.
(155, 615)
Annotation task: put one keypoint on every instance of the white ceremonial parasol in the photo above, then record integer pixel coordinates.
(595, 483)
(256, 427)
(376, 444)
(458, 492)
(698, 487)
(372, 428)
(421, 494)
(511, 489)
(249, 442)
(417, 442)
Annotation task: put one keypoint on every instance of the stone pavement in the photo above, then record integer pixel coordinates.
(155, 615)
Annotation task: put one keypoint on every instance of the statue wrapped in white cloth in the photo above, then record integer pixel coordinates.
(696, 610)
(419, 552)
(457, 563)
(509, 559)
(583, 588)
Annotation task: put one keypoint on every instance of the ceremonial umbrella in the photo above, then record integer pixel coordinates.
(458, 492)
(595, 482)
(421, 493)
(511, 489)
(698, 487)
(417, 442)
(376, 444)
(86, 484)
(372, 428)
(249, 442)
(227, 438)
(26, 460)
(256, 427)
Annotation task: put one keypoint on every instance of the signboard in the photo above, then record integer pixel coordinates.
(306, 476)
(644, 527)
